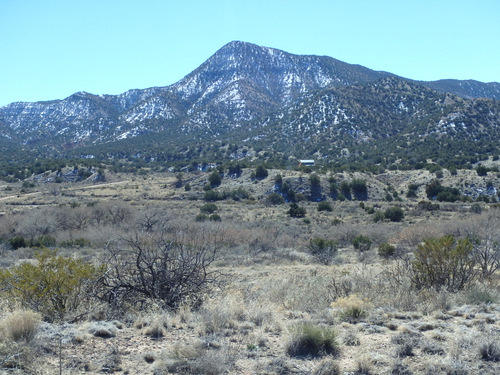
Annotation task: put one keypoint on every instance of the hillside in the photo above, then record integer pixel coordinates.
(263, 98)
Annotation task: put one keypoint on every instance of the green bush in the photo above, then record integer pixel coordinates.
(261, 172)
(314, 180)
(214, 195)
(412, 191)
(215, 179)
(214, 217)
(312, 340)
(443, 262)
(378, 216)
(44, 241)
(386, 250)
(239, 194)
(296, 210)
(482, 170)
(362, 243)
(274, 199)
(325, 206)
(201, 218)
(359, 189)
(345, 188)
(53, 285)
(394, 214)
(208, 208)
(17, 242)
(322, 249)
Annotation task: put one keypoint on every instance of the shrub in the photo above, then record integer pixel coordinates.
(278, 179)
(378, 216)
(201, 218)
(394, 214)
(171, 269)
(187, 187)
(261, 172)
(435, 190)
(443, 263)
(427, 206)
(314, 180)
(345, 188)
(351, 309)
(362, 243)
(17, 242)
(208, 208)
(386, 250)
(214, 195)
(240, 193)
(296, 211)
(44, 241)
(359, 189)
(482, 170)
(52, 286)
(308, 339)
(215, 179)
(214, 217)
(274, 199)
(490, 351)
(412, 191)
(327, 367)
(21, 325)
(322, 249)
(325, 206)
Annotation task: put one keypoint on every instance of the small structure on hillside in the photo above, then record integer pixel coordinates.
(306, 163)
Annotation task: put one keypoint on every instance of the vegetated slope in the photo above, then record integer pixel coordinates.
(239, 82)
(467, 89)
(390, 116)
(268, 98)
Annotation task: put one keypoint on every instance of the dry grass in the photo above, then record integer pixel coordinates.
(272, 283)
(21, 325)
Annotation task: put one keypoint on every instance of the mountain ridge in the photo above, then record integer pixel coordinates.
(243, 91)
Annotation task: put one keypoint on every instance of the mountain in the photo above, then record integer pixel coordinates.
(468, 89)
(254, 94)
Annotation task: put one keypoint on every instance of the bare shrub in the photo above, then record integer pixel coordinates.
(484, 235)
(169, 265)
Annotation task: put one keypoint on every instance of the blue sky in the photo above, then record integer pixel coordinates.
(51, 49)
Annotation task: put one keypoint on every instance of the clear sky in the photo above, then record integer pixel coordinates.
(50, 49)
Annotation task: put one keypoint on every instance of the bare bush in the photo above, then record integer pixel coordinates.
(169, 265)
(484, 235)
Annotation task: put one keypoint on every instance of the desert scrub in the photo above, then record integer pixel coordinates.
(444, 262)
(362, 243)
(309, 339)
(21, 325)
(53, 285)
(386, 250)
(323, 250)
(325, 206)
(352, 308)
(490, 350)
(208, 208)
